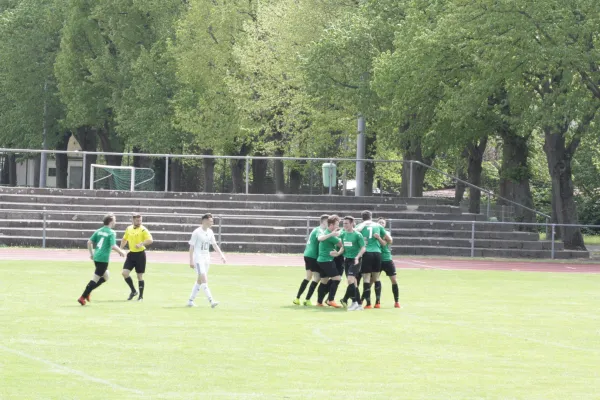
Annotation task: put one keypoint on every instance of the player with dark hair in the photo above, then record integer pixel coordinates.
(138, 237)
(99, 245)
(387, 265)
(353, 247)
(311, 252)
(329, 240)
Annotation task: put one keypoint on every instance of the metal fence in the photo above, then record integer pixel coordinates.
(254, 174)
(310, 222)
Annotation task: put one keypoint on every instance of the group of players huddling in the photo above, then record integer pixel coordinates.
(359, 252)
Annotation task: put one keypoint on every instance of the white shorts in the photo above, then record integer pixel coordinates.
(202, 265)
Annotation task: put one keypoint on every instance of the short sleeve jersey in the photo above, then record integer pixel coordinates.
(352, 242)
(312, 245)
(103, 239)
(386, 252)
(368, 230)
(327, 246)
(201, 240)
(137, 235)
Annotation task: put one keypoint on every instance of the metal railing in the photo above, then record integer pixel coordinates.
(220, 219)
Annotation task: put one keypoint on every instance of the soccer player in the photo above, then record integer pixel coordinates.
(329, 240)
(353, 247)
(99, 245)
(387, 265)
(371, 261)
(138, 237)
(310, 263)
(202, 238)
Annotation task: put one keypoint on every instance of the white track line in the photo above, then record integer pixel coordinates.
(71, 371)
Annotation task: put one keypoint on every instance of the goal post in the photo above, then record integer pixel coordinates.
(111, 177)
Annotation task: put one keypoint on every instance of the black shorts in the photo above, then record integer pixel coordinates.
(136, 260)
(351, 268)
(328, 269)
(310, 264)
(339, 264)
(388, 267)
(371, 263)
(101, 268)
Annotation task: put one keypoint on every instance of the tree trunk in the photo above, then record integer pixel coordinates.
(559, 156)
(278, 172)
(474, 168)
(369, 166)
(62, 162)
(515, 176)
(259, 176)
(296, 179)
(413, 151)
(88, 141)
(110, 144)
(11, 170)
(209, 173)
(175, 171)
(37, 162)
(237, 171)
(4, 170)
(141, 162)
(461, 173)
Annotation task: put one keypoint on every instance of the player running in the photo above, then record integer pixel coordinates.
(99, 245)
(200, 242)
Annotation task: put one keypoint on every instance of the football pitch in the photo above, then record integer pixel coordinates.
(459, 335)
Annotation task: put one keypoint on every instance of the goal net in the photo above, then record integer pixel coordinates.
(111, 177)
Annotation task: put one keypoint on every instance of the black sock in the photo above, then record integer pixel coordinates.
(350, 292)
(302, 288)
(328, 285)
(367, 292)
(141, 283)
(357, 297)
(129, 281)
(377, 292)
(321, 292)
(88, 289)
(395, 291)
(100, 282)
(311, 290)
(333, 289)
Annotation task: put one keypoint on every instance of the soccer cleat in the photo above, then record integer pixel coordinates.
(397, 305)
(344, 303)
(81, 300)
(296, 302)
(88, 298)
(191, 303)
(367, 307)
(377, 305)
(213, 304)
(140, 298)
(353, 307)
(359, 308)
(333, 304)
(320, 305)
(132, 295)
(308, 303)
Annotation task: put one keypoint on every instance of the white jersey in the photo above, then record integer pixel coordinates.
(201, 240)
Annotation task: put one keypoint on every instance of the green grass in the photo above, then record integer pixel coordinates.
(587, 239)
(461, 335)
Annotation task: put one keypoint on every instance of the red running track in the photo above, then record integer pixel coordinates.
(287, 260)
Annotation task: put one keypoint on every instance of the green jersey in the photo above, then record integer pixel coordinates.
(326, 247)
(368, 231)
(103, 239)
(386, 252)
(353, 242)
(312, 246)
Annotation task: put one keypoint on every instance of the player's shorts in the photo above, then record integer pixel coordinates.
(136, 260)
(202, 264)
(310, 264)
(351, 268)
(101, 268)
(371, 263)
(388, 267)
(328, 269)
(339, 264)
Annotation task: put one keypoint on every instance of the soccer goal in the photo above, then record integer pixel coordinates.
(111, 177)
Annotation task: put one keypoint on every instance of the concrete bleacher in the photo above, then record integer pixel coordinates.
(257, 223)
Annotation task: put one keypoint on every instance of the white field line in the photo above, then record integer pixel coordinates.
(71, 371)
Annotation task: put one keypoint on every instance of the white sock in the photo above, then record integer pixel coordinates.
(195, 291)
(204, 287)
